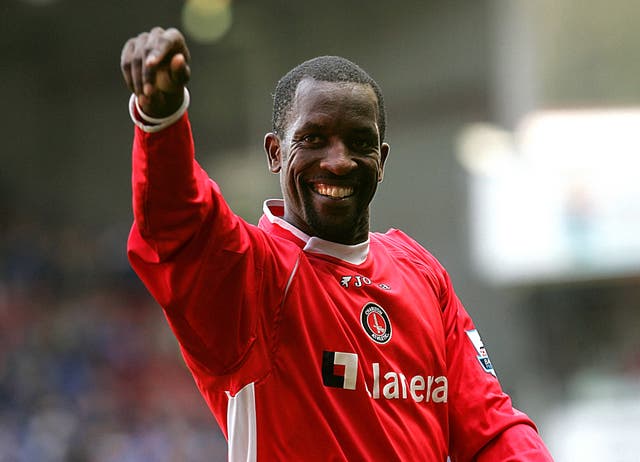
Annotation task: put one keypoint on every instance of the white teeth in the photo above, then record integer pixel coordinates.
(337, 192)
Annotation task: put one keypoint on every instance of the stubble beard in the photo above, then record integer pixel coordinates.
(350, 228)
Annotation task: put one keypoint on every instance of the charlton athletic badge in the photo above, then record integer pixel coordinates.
(375, 323)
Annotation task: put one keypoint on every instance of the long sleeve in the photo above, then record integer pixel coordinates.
(203, 264)
(169, 205)
(484, 425)
(515, 444)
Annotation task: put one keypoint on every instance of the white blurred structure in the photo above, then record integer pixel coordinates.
(557, 200)
(604, 425)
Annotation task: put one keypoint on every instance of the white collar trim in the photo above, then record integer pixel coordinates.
(354, 254)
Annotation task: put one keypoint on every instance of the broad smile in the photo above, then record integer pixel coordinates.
(332, 191)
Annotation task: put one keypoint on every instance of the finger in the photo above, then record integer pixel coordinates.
(149, 66)
(136, 63)
(125, 62)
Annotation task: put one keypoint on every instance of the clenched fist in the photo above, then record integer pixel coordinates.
(155, 66)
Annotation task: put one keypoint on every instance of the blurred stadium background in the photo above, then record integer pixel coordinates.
(514, 159)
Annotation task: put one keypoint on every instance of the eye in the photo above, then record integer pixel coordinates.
(312, 139)
(362, 144)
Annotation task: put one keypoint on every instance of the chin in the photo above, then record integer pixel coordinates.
(341, 229)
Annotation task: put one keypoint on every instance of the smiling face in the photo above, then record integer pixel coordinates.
(330, 159)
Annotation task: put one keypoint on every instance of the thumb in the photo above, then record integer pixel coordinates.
(180, 71)
(170, 79)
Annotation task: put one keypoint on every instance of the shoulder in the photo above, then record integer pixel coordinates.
(401, 244)
(398, 241)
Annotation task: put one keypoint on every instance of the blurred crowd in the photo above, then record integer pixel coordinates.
(89, 370)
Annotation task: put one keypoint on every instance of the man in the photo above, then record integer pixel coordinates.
(309, 337)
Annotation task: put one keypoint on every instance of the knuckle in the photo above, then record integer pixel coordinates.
(173, 35)
(173, 32)
(139, 49)
(148, 48)
(140, 40)
(127, 49)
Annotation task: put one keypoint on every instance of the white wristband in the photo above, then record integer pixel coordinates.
(156, 124)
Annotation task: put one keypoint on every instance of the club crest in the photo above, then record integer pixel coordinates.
(375, 323)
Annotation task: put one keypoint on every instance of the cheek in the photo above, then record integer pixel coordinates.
(376, 169)
(292, 170)
(288, 180)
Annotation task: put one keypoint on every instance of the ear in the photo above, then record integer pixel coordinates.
(274, 152)
(384, 152)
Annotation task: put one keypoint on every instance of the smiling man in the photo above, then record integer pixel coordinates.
(329, 152)
(310, 337)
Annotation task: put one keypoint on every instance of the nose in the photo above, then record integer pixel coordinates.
(337, 159)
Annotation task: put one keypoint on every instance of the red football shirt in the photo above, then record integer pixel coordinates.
(310, 350)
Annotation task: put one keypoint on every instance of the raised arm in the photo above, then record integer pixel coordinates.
(203, 264)
(170, 191)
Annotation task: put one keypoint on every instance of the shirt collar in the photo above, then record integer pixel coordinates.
(355, 254)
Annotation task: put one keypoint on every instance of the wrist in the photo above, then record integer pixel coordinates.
(151, 124)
